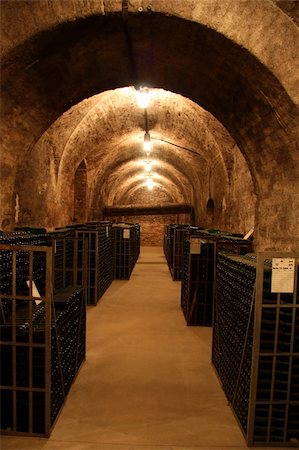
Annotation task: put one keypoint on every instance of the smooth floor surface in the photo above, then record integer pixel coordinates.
(147, 383)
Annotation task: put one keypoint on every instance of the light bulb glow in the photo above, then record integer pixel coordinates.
(150, 184)
(148, 166)
(143, 97)
(147, 145)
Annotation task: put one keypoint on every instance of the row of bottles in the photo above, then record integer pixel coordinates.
(275, 402)
(126, 238)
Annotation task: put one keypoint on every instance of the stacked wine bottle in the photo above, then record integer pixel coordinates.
(28, 345)
(265, 402)
(174, 236)
(197, 284)
(105, 257)
(126, 238)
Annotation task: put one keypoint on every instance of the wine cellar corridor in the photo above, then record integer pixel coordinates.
(149, 224)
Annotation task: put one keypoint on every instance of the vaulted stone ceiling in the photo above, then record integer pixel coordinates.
(109, 135)
(224, 88)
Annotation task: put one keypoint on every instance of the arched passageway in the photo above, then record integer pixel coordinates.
(58, 108)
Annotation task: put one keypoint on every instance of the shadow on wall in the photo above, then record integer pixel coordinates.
(80, 187)
(210, 212)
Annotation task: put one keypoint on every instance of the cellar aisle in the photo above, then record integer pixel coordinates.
(147, 383)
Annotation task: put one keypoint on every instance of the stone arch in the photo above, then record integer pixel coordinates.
(248, 83)
(264, 17)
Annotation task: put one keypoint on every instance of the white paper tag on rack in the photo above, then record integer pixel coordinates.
(107, 231)
(126, 234)
(283, 275)
(35, 292)
(250, 232)
(195, 246)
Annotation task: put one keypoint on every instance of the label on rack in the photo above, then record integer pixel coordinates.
(127, 234)
(283, 275)
(250, 233)
(107, 231)
(35, 292)
(195, 246)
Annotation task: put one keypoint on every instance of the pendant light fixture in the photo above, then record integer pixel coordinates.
(150, 183)
(147, 145)
(148, 166)
(143, 97)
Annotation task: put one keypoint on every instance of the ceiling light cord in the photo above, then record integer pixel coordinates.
(146, 120)
(143, 96)
(147, 144)
(128, 38)
(175, 145)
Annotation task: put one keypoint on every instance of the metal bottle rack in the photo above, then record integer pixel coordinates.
(42, 340)
(256, 348)
(93, 248)
(178, 251)
(126, 249)
(69, 262)
(174, 235)
(98, 251)
(198, 281)
(98, 238)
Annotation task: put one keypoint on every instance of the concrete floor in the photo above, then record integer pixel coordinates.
(147, 383)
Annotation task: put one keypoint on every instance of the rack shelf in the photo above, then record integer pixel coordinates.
(197, 283)
(126, 239)
(256, 348)
(42, 336)
(198, 280)
(85, 250)
(174, 236)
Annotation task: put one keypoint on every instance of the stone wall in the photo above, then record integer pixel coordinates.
(152, 226)
(80, 191)
(235, 59)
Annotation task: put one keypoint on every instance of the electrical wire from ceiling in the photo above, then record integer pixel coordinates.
(129, 43)
(175, 145)
(135, 77)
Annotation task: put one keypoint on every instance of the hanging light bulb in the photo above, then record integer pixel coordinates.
(147, 145)
(143, 97)
(148, 166)
(150, 184)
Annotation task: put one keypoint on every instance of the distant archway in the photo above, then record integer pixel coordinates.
(251, 89)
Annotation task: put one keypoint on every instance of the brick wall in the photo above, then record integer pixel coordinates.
(244, 75)
(152, 227)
